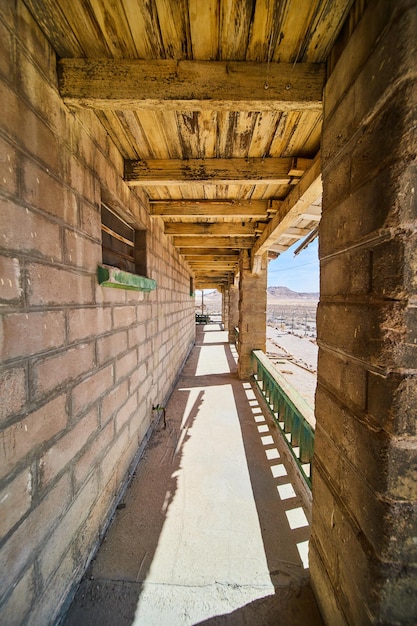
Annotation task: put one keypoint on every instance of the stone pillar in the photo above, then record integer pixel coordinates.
(225, 306)
(233, 311)
(252, 311)
(363, 548)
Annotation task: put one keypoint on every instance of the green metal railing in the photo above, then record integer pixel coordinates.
(290, 411)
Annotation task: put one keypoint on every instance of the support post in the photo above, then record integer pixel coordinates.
(233, 311)
(363, 551)
(252, 311)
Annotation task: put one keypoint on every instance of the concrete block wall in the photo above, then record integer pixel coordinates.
(81, 365)
(363, 551)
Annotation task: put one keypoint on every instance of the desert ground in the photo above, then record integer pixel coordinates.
(291, 337)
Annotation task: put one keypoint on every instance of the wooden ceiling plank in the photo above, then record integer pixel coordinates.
(300, 198)
(57, 24)
(211, 208)
(175, 29)
(144, 28)
(208, 171)
(114, 28)
(204, 28)
(235, 17)
(324, 29)
(190, 85)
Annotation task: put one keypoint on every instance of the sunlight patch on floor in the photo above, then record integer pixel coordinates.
(210, 559)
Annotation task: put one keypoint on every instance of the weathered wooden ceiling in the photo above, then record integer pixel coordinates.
(216, 107)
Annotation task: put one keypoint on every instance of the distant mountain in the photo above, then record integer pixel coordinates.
(280, 293)
(284, 292)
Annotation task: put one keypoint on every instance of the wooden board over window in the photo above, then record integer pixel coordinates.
(118, 241)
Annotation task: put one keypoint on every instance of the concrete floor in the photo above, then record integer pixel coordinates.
(213, 531)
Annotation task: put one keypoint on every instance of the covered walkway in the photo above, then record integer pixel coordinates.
(213, 528)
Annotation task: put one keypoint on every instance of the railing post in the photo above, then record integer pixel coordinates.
(288, 409)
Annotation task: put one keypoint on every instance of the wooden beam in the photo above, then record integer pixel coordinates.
(298, 200)
(208, 229)
(212, 258)
(242, 209)
(168, 172)
(236, 243)
(208, 251)
(167, 84)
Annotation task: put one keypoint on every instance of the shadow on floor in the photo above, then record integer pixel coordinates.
(212, 407)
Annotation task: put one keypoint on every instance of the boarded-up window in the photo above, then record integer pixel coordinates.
(122, 246)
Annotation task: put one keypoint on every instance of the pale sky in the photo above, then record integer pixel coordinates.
(299, 273)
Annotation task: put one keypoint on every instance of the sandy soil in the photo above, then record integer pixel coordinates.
(296, 359)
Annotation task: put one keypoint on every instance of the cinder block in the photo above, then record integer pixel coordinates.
(36, 234)
(137, 377)
(48, 606)
(26, 437)
(10, 281)
(126, 364)
(40, 91)
(29, 132)
(114, 400)
(82, 180)
(347, 274)
(54, 285)
(137, 334)
(62, 368)
(114, 458)
(111, 346)
(90, 389)
(123, 316)
(33, 40)
(18, 553)
(65, 449)
(20, 601)
(346, 379)
(62, 537)
(88, 322)
(93, 454)
(125, 413)
(81, 252)
(332, 539)
(43, 191)
(90, 220)
(391, 402)
(9, 160)
(12, 391)
(47, 330)
(15, 500)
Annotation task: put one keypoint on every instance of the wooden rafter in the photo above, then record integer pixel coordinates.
(242, 209)
(210, 230)
(201, 241)
(168, 84)
(199, 251)
(168, 172)
(298, 200)
(212, 258)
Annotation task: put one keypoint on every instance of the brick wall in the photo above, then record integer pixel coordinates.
(363, 553)
(81, 365)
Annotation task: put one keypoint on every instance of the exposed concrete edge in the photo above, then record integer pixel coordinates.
(120, 494)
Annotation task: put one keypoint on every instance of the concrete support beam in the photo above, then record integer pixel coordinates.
(225, 305)
(363, 552)
(233, 311)
(252, 311)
